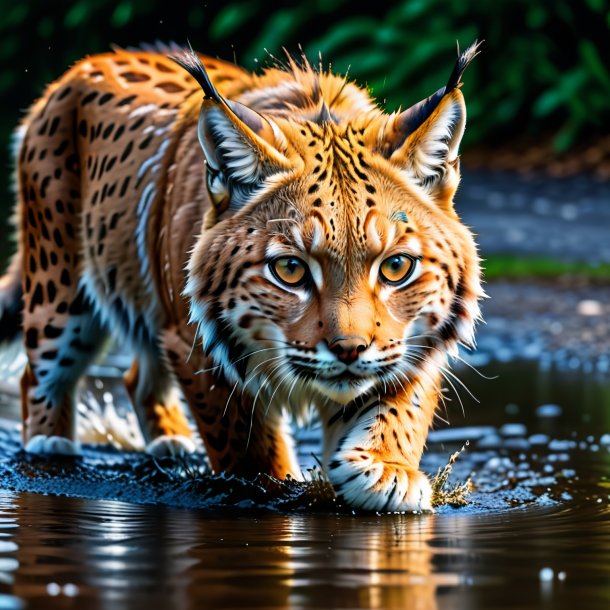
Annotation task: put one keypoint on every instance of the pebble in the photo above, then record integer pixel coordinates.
(513, 430)
(539, 439)
(548, 410)
(517, 444)
(490, 441)
(558, 457)
(589, 307)
(499, 463)
(562, 445)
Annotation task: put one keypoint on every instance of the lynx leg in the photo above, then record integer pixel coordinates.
(373, 449)
(61, 332)
(238, 439)
(163, 424)
(59, 349)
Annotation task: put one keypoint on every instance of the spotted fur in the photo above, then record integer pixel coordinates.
(125, 228)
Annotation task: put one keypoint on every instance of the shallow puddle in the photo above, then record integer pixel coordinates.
(536, 533)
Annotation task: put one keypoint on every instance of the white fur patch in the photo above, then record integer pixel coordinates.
(427, 164)
(242, 161)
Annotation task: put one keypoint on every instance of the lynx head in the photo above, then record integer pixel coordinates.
(333, 258)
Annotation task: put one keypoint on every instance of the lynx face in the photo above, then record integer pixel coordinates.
(338, 264)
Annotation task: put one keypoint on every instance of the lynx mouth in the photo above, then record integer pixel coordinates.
(344, 387)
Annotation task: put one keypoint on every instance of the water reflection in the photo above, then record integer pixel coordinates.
(536, 535)
(69, 553)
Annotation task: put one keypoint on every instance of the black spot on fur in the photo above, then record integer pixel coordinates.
(54, 126)
(127, 100)
(124, 187)
(61, 149)
(112, 279)
(89, 98)
(31, 338)
(51, 290)
(59, 240)
(63, 93)
(52, 332)
(137, 124)
(44, 261)
(105, 98)
(118, 133)
(145, 143)
(126, 152)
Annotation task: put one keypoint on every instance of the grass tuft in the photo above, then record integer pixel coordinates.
(456, 495)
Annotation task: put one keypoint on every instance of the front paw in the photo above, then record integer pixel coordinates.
(365, 482)
(51, 445)
(171, 446)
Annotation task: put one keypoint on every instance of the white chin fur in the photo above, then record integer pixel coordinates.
(343, 392)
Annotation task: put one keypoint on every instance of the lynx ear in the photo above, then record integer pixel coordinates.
(241, 147)
(424, 140)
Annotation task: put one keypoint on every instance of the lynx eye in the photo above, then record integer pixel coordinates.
(290, 270)
(397, 269)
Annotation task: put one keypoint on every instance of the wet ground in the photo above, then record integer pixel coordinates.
(131, 532)
(566, 219)
(536, 533)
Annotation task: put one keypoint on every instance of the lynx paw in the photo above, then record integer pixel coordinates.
(167, 445)
(52, 445)
(366, 483)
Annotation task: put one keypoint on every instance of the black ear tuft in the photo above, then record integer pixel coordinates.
(191, 62)
(461, 64)
(417, 114)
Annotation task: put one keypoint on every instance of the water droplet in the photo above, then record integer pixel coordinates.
(546, 575)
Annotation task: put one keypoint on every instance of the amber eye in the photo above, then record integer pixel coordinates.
(396, 269)
(290, 270)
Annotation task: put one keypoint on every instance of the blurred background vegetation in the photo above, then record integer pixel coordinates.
(543, 76)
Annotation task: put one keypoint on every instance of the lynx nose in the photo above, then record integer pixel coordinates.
(347, 349)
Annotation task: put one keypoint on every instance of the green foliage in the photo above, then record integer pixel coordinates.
(499, 266)
(544, 66)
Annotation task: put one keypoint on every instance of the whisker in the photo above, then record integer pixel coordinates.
(229, 399)
(279, 385)
(461, 383)
(194, 341)
(253, 372)
(474, 368)
(234, 362)
(456, 392)
(245, 384)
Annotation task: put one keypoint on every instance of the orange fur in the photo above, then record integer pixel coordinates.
(124, 231)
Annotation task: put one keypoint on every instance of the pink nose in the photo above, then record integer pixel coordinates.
(347, 349)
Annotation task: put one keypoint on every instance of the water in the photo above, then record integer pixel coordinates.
(536, 534)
